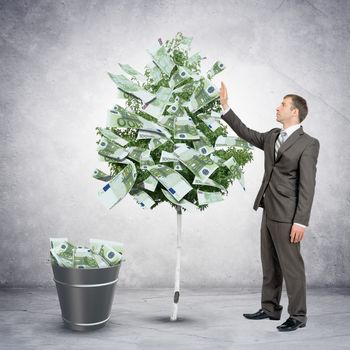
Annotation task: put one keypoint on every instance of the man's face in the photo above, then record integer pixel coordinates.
(285, 112)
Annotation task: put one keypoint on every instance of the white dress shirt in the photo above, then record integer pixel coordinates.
(289, 131)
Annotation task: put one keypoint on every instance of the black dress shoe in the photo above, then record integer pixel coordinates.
(260, 315)
(291, 325)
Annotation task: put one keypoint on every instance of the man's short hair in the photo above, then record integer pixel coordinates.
(299, 103)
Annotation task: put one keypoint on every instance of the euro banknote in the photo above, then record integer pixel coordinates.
(224, 142)
(162, 59)
(198, 164)
(174, 182)
(110, 149)
(205, 93)
(146, 160)
(208, 197)
(149, 184)
(217, 67)
(184, 203)
(155, 73)
(156, 107)
(212, 123)
(142, 198)
(185, 129)
(119, 186)
(208, 182)
(110, 135)
(179, 76)
(203, 145)
(126, 85)
(101, 175)
(121, 118)
(133, 72)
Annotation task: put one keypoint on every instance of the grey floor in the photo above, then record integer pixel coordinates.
(209, 319)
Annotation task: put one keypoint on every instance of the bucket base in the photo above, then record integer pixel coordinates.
(84, 327)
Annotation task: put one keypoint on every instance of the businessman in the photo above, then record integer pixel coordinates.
(286, 195)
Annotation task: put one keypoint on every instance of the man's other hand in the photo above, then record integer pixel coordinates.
(223, 96)
(296, 233)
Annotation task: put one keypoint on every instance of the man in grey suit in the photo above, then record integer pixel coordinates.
(286, 196)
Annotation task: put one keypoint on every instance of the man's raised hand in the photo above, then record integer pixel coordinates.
(223, 96)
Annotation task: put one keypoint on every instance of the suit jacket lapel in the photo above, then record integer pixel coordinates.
(290, 141)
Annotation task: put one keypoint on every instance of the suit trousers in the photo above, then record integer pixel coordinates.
(281, 259)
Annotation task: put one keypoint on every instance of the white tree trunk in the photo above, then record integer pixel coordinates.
(178, 262)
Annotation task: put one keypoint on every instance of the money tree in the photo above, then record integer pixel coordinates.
(164, 141)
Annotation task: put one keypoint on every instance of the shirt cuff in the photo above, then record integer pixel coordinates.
(295, 223)
(226, 110)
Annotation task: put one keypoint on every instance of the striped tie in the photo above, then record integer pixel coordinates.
(279, 141)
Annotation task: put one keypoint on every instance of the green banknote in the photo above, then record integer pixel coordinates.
(142, 198)
(168, 121)
(208, 197)
(126, 85)
(133, 72)
(177, 109)
(100, 175)
(146, 160)
(122, 119)
(208, 182)
(185, 129)
(135, 153)
(110, 135)
(224, 142)
(195, 58)
(177, 166)
(188, 87)
(102, 263)
(162, 59)
(168, 157)
(185, 43)
(120, 185)
(156, 107)
(184, 203)
(215, 115)
(155, 73)
(83, 259)
(145, 134)
(148, 184)
(155, 143)
(64, 254)
(175, 183)
(203, 145)
(219, 161)
(179, 76)
(108, 253)
(95, 245)
(197, 163)
(205, 93)
(54, 242)
(233, 166)
(212, 123)
(217, 68)
(110, 149)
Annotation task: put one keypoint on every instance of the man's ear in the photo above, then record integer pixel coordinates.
(295, 112)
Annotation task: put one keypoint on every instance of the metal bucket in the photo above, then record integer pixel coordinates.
(85, 295)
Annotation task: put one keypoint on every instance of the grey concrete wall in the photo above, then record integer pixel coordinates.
(55, 91)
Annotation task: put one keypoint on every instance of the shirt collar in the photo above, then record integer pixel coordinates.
(291, 129)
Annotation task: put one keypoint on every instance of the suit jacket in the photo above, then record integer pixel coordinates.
(288, 186)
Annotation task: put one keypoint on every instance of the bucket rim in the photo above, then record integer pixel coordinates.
(58, 267)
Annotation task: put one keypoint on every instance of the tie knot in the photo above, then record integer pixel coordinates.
(283, 135)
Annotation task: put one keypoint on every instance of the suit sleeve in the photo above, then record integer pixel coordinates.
(254, 137)
(307, 182)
